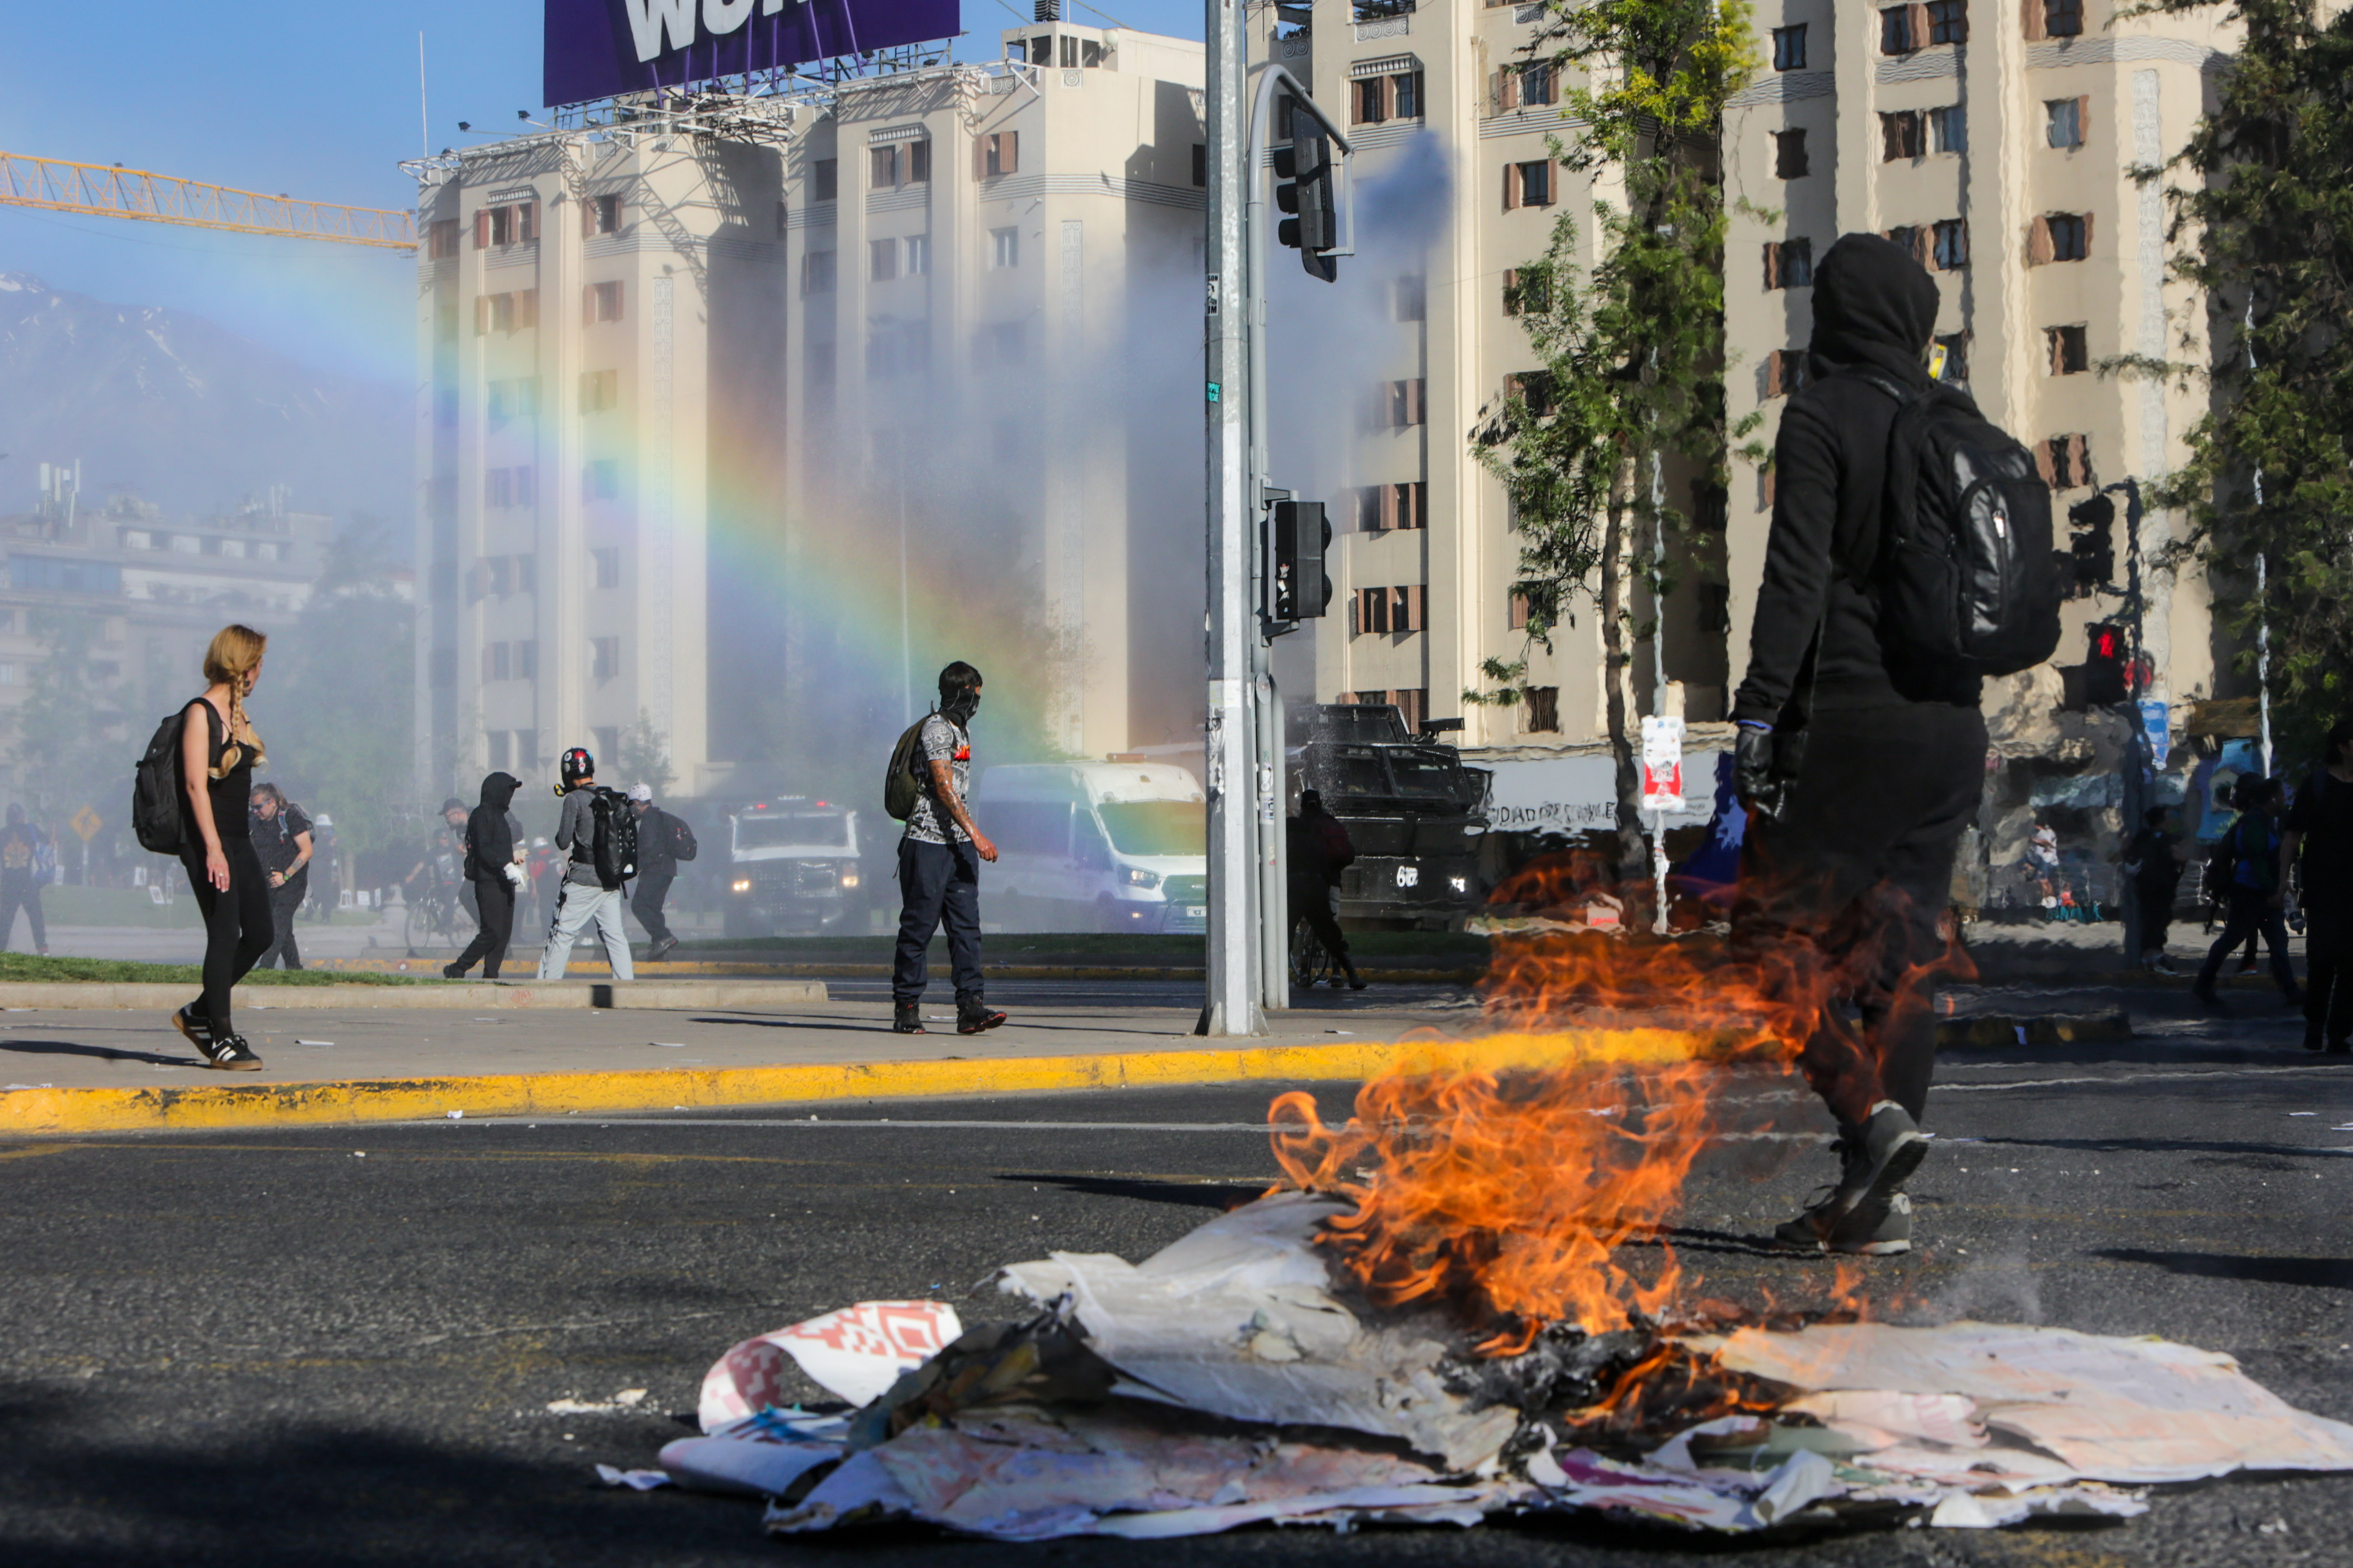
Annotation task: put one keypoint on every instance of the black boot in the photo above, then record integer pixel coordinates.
(973, 1016)
(907, 1019)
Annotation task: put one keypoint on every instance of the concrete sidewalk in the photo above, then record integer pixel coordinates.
(86, 1071)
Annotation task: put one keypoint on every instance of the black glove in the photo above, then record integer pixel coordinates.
(1764, 764)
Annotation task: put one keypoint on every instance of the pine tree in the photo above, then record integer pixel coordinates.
(1633, 355)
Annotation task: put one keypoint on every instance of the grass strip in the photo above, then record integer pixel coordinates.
(116, 970)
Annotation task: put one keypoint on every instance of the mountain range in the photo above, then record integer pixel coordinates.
(179, 410)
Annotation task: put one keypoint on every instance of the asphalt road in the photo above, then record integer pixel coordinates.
(265, 1348)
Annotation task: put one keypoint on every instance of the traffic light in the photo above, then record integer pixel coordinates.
(1301, 537)
(1302, 173)
(2091, 545)
(2105, 682)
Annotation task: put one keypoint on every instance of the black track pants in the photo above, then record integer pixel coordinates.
(939, 884)
(495, 897)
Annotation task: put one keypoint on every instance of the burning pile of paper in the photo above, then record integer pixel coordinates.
(1226, 1380)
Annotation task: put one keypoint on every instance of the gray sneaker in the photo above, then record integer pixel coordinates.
(1877, 1158)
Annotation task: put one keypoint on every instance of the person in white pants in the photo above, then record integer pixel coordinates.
(583, 897)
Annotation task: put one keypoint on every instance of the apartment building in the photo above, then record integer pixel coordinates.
(735, 408)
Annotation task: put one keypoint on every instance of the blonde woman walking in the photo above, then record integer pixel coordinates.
(217, 752)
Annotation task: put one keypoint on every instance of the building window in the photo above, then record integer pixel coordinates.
(599, 390)
(1004, 248)
(1911, 240)
(1527, 184)
(883, 167)
(526, 668)
(506, 312)
(510, 487)
(504, 225)
(1533, 388)
(1380, 98)
(1790, 49)
(2054, 18)
(603, 302)
(499, 575)
(1789, 264)
(1380, 507)
(606, 564)
(1402, 400)
(1405, 96)
(2065, 120)
(1542, 710)
(2069, 353)
(1896, 34)
(1390, 612)
(1000, 153)
(825, 176)
(605, 214)
(1949, 129)
(918, 255)
(526, 574)
(1516, 616)
(1785, 371)
(496, 663)
(2065, 461)
(817, 272)
(1523, 84)
(441, 240)
(1901, 135)
(1526, 291)
(2060, 236)
(605, 662)
(1950, 245)
(1790, 155)
(881, 260)
(601, 481)
(607, 738)
(502, 751)
(1410, 298)
(1949, 21)
(1200, 166)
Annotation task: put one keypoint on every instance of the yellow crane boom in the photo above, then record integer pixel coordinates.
(55, 185)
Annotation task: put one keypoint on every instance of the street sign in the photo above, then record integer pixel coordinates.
(1662, 764)
(87, 823)
(596, 48)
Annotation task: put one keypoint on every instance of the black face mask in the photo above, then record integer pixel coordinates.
(959, 709)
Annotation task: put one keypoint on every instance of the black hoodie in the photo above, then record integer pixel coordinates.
(1874, 311)
(492, 829)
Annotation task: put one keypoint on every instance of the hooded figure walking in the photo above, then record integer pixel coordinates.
(493, 866)
(1864, 769)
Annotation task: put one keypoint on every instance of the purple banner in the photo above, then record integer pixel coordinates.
(596, 48)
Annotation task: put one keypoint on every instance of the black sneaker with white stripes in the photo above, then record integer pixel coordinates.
(231, 1054)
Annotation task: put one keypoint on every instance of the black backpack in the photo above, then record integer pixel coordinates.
(1966, 579)
(902, 785)
(616, 835)
(159, 810)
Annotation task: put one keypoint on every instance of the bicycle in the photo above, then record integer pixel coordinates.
(1310, 964)
(432, 917)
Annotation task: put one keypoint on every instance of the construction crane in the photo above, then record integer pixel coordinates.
(54, 185)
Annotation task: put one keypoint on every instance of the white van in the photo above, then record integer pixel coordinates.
(1094, 846)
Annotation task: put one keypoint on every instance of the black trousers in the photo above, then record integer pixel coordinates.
(21, 893)
(2329, 973)
(1311, 901)
(284, 901)
(1845, 894)
(939, 884)
(2156, 916)
(646, 903)
(495, 897)
(2250, 914)
(238, 929)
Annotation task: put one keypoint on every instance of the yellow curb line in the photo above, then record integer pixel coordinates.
(27, 1112)
(883, 971)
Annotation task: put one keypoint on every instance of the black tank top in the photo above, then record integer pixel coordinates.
(233, 794)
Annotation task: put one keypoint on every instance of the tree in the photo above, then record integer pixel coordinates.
(2265, 231)
(1632, 352)
(642, 757)
(337, 707)
(72, 745)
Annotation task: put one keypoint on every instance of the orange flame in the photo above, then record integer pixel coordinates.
(1506, 1176)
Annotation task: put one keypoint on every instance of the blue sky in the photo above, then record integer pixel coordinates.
(318, 100)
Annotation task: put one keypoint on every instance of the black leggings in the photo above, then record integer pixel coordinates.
(237, 927)
(495, 895)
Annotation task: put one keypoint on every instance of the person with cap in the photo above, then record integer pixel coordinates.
(663, 841)
(493, 868)
(583, 897)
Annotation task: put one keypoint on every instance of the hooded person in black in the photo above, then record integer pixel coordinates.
(492, 835)
(1861, 772)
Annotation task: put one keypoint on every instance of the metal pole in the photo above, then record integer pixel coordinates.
(1658, 675)
(2263, 609)
(906, 650)
(1232, 1005)
(1274, 900)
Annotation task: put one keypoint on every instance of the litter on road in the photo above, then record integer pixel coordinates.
(1234, 1378)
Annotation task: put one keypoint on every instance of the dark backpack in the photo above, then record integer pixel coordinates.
(617, 836)
(1966, 579)
(683, 845)
(159, 810)
(902, 785)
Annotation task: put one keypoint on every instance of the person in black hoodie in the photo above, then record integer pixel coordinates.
(1861, 772)
(493, 868)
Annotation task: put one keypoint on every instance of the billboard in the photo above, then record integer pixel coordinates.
(596, 48)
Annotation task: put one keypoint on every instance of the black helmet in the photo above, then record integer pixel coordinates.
(574, 765)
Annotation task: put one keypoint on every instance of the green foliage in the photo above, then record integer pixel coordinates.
(1632, 349)
(642, 758)
(72, 739)
(2266, 230)
(336, 707)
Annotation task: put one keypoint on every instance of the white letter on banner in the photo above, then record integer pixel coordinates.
(650, 19)
(725, 16)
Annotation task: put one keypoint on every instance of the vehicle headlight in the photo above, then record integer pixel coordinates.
(1137, 877)
(849, 879)
(743, 884)
(1408, 877)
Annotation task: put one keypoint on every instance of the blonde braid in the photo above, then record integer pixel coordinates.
(240, 729)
